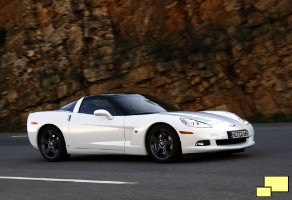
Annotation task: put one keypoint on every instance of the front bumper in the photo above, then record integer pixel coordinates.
(218, 132)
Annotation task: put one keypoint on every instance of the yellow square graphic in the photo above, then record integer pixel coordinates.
(277, 183)
(264, 191)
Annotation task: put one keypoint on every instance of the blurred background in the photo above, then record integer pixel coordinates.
(233, 55)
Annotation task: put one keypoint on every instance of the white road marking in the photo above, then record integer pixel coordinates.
(65, 180)
(19, 136)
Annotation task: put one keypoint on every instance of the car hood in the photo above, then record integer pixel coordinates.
(210, 117)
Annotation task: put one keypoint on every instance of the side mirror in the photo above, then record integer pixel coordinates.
(105, 113)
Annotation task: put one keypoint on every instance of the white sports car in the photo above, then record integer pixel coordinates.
(134, 124)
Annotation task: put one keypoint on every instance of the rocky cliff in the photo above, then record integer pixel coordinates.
(213, 54)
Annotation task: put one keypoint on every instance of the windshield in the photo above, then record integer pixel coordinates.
(137, 104)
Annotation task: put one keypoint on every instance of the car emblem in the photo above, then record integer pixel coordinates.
(232, 125)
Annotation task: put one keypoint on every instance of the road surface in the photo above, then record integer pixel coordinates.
(24, 174)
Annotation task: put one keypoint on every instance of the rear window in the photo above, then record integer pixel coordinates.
(69, 107)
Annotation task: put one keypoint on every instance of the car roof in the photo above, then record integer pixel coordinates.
(112, 95)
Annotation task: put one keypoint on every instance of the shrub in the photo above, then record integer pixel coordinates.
(163, 48)
(3, 32)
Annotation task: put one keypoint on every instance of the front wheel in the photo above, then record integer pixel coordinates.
(52, 144)
(163, 144)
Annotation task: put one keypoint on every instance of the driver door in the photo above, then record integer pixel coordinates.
(97, 132)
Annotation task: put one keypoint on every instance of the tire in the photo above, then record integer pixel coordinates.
(163, 144)
(52, 145)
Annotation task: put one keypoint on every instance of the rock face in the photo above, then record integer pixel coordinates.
(213, 54)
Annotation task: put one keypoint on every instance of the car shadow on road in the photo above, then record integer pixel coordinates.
(197, 158)
(109, 158)
(215, 157)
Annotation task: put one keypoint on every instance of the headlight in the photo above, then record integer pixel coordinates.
(244, 121)
(194, 123)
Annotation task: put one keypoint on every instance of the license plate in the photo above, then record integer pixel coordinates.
(238, 134)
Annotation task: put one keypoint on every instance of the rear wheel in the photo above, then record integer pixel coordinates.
(52, 144)
(163, 144)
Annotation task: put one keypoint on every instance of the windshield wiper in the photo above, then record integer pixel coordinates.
(144, 113)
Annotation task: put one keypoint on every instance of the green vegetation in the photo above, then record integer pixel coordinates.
(183, 44)
(3, 33)
(124, 45)
(278, 118)
(15, 127)
(270, 18)
(270, 119)
(163, 48)
(13, 130)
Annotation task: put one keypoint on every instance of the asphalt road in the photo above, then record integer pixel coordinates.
(205, 176)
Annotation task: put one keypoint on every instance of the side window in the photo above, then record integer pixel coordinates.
(69, 107)
(90, 105)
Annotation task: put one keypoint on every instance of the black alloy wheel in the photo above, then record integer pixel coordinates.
(163, 144)
(52, 144)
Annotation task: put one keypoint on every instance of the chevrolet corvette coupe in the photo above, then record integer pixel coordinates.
(134, 124)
